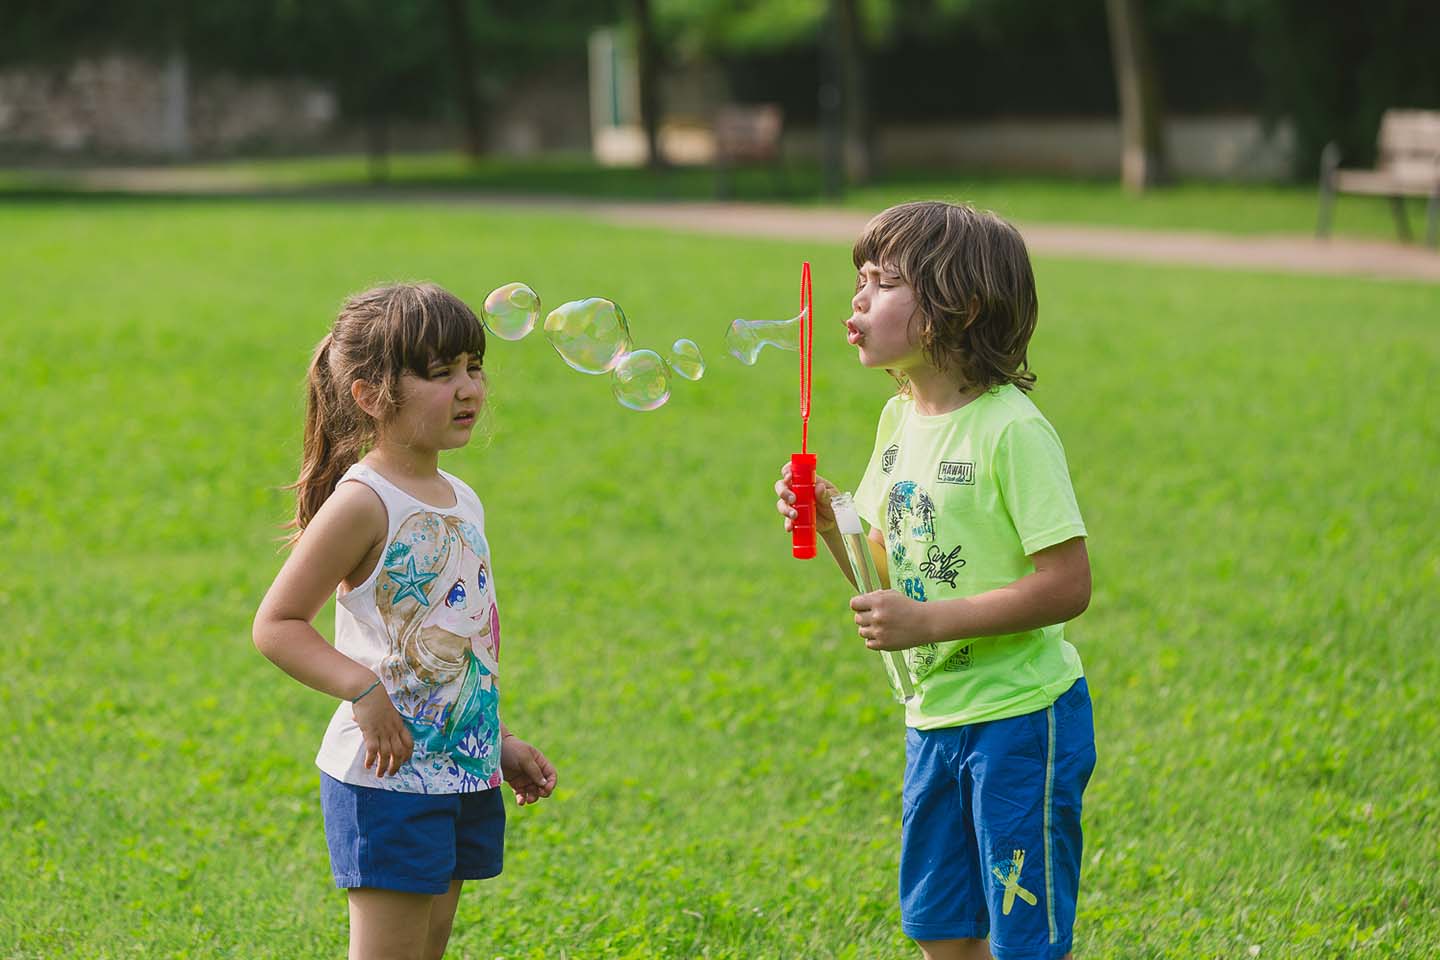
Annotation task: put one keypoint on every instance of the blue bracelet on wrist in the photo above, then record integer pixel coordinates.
(367, 690)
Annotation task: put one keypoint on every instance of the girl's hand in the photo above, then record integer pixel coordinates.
(525, 768)
(889, 620)
(387, 740)
(824, 513)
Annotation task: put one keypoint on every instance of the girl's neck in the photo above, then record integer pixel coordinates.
(936, 392)
(401, 461)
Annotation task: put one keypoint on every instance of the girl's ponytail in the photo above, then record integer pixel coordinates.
(332, 440)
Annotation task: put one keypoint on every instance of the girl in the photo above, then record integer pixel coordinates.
(415, 753)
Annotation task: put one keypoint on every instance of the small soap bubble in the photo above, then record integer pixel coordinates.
(745, 338)
(640, 380)
(590, 335)
(685, 359)
(510, 312)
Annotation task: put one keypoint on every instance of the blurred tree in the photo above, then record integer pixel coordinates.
(462, 57)
(647, 54)
(1333, 66)
(1142, 119)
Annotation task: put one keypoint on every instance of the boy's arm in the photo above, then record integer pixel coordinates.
(1057, 591)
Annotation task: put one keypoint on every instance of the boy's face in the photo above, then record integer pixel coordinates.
(882, 319)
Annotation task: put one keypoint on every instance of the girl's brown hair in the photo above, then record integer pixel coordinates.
(973, 286)
(377, 337)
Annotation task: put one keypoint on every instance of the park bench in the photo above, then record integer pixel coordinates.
(747, 134)
(1408, 166)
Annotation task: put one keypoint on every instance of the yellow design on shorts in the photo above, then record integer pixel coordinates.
(1012, 882)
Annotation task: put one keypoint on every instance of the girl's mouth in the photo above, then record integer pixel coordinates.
(853, 334)
(465, 418)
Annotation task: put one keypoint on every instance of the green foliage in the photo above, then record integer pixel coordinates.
(1254, 454)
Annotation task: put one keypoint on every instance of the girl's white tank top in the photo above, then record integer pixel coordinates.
(426, 622)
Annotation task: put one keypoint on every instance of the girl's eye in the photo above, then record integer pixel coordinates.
(438, 373)
(456, 596)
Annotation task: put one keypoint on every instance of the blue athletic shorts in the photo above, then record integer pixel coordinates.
(414, 842)
(990, 839)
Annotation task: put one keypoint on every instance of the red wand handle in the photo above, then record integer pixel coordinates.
(802, 484)
(802, 464)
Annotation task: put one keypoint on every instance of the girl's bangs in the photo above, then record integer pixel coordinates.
(441, 327)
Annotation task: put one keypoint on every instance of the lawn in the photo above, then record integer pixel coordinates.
(1255, 456)
(1189, 205)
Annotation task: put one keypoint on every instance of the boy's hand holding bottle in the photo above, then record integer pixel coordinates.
(824, 489)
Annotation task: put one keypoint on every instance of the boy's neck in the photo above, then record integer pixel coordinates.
(936, 392)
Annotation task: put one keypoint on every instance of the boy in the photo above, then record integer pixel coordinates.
(971, 510)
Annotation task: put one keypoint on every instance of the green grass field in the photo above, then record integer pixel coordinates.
(1255, 456)
(1190, 205)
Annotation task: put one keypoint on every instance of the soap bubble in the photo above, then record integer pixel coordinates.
(590, 335)
(745, 338)
(640, 380)
(510, 311)
(685, 359)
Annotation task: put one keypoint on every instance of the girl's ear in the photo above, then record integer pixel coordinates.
(367, 397)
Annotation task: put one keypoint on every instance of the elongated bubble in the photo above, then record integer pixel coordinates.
(510, 312)
(745, 338)
(685, 359)
(590, 335)
(641, 380)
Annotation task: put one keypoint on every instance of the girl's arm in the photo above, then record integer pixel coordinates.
(341, 543)
(1057, 591)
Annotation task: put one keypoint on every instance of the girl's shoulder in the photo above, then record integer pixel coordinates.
(465, 494)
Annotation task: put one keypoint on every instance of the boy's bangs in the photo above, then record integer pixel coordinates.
(890, 241)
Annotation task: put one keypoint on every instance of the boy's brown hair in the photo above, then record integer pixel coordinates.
(972, 281)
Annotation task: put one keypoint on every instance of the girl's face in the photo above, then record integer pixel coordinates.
(438, 411)
(882, 319)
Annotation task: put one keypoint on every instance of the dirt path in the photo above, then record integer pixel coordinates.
(1286, 253)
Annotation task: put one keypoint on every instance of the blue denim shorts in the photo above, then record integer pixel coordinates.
(990, 836)
(414, 842)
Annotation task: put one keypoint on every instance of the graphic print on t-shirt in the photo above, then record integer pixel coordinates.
(434, 597)
(910, 515)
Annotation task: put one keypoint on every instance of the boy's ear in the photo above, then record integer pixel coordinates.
(367, 397)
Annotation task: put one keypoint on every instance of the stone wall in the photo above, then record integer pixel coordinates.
(122, 105)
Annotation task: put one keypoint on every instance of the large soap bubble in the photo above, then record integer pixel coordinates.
(745, 338)
(510, 311)
(641, 380)
(685, 359)
(590, 335)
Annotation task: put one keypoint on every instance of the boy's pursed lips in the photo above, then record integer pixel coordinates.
(853, 333)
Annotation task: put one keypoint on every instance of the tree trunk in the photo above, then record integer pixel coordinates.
(831, 102)
(858, 148)
(648, 74)
(1142, 116)
(457, 22)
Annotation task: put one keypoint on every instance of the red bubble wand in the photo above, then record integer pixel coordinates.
(802, 464)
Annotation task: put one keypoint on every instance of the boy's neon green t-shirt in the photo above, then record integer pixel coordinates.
(964, 499)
